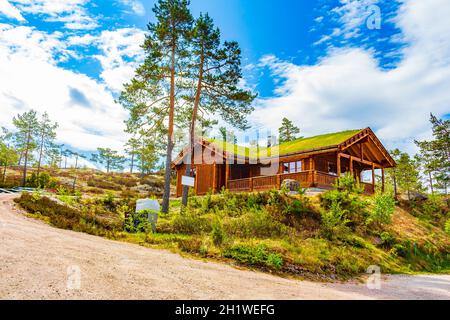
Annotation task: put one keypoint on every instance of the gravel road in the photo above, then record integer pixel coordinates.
(38, 261)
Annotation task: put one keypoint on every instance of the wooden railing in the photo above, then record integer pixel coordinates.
(324, 180)
(265, 183)
(239, 185)
(307, 179)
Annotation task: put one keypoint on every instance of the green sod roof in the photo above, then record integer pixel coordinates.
(303, 144)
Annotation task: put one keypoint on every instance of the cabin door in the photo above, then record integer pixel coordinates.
(205, 179)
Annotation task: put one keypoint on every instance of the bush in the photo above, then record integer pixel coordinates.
(193, 245)
(136, 222)
(347, 183)
(43, 181)
(254, 256)
(447, 226)
(103, 184)
(217, 233)
(333, 220)
(256, 223)
(191, 223)
(355, 208)
(384, 206)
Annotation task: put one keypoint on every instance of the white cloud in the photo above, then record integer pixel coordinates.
(29, 78)
(121, 54)
(348, 89)
(136, 6)
(10, 11)
(72, 13)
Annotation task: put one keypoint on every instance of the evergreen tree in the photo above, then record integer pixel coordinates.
(288, 131)
(109, 158)
(407, 174)
(131, 147)
(434, 155)
(27, 126)
(216, 71)
(46, 137)
(8, 154)
(151, 97)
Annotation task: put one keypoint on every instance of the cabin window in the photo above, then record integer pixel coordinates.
(332, 168)
(292, 167)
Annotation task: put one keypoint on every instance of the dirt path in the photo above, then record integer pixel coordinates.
(41, 262)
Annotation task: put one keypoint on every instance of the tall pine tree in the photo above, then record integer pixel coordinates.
(216, 71)
(27, 126)
(151, 96)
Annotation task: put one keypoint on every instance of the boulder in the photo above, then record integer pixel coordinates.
(291, 185)
(413, 196)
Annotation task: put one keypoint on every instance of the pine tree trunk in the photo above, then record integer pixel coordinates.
(27, 147)
(431, 182)
(166, 195)
(132, 163)
(4, 172)
(40, 156)
(184, 200)
(395, 185)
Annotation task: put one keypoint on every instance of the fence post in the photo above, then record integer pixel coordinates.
(251, 184)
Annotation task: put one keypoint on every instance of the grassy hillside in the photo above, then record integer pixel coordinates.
(335, 235)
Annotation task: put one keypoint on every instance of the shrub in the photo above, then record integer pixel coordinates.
(447, 226)
(193, 245)
(333, 220)
(103, 184)
(254, 256)
(384, 206)
(217, 233)
(387, 239)
(136, 222)
(191, 223)
(347, 183)
(434, 207)
(355, 208)
(256, 223)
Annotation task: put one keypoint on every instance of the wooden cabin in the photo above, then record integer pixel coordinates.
(316, 162)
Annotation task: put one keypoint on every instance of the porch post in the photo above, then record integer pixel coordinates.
(338, 164)
(373, 177)
(382, 179)
(351, 166)
(214, 178)
(227, 173)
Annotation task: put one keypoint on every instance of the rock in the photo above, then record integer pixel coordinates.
(291, 185)
(413, 196)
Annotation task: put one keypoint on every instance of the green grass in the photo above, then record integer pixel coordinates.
(303, 144)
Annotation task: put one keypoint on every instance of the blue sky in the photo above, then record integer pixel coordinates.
(325, 64)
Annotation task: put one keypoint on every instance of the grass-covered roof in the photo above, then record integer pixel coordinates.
(303, 144)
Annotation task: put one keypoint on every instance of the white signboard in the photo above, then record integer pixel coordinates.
(150, 204)
(188, 181)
